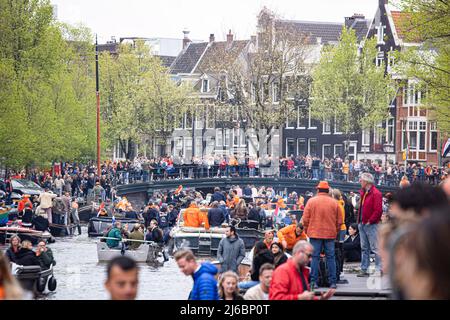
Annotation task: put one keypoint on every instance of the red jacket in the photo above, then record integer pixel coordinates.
(371, 205)
(286, 283)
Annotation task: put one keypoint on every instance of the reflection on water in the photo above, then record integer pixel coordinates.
(80, 276)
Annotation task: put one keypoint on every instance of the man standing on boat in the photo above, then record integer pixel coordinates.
(46, 203)
(231, 251)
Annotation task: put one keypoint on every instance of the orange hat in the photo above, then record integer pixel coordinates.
(323, 185)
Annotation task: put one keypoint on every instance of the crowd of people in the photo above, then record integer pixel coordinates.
(406, 233)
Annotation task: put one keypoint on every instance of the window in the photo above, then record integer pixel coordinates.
(242, 137)
(405, 95)
(179, 119)
(301, 147)
(391, 58)
(326, 127)
(365, 137)
(275, 93)
(219, 138)
(379, 135)
(390, 131)
(187, 147)
(302, 117)
(313, 147)
(205, 85)
(221, 94)
(380, 57)
(178, 146)
(227, 137)
(404, 135)
(326, 151)
(339, 150)
(236, 137)
(380, 33)
(189, 120)
(433, 136)
(292, 119)
(422, 135)
(290, 147)
(337, 126)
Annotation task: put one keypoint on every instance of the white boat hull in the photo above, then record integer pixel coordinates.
(145, 253)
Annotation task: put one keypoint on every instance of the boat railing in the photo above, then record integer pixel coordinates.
(152, 243)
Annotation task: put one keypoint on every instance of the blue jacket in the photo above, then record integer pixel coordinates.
(205, 285)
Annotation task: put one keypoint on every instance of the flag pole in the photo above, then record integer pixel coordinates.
(97, 91)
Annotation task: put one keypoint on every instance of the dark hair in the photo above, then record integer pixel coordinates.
(123, 262)
(233, 229)
(354, 226)
(279, 245)
(420, 197)
(260, 246)
(323, 190)
(266, 266)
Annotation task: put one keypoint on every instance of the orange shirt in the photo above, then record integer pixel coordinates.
(288, 234)
(194, 218)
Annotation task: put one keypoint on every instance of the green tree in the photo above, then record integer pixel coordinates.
(349, 88)
(427, 23)
(139, 100)
(43, 110)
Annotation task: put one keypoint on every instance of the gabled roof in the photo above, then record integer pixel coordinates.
(218, 50)
(167, 60)
(401, 21)
(327, 31)
(361, 27)
(188, 58)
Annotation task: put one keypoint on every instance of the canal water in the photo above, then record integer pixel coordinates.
(80, 276)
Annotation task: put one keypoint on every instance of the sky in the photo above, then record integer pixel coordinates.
(168, 18)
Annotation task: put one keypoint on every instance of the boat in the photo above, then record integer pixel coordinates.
(62, 230)
(33, 279)
(148, 252)
(98, 225)
(24, 233)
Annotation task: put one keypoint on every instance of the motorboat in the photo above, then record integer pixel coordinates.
(33, 279)
(149, 252)
(24, 233)
(98, 225)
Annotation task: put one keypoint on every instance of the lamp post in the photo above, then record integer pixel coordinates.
(97, 91)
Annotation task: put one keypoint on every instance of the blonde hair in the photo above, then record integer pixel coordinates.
(228, 274)
(13, 290)
(336, 194)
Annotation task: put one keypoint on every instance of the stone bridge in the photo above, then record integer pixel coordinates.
(139, 193)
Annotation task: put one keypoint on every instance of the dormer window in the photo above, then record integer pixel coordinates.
(205, 85)
(380, 57)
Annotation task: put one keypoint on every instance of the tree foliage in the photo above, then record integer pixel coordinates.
(349, 88)
(45, 107)
(427, 22)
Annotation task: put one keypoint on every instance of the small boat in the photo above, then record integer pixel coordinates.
(248, 230)
(148, 252)
(200, 241)
(97, 226)
(25, 234)
(62, 230)
(33, 279)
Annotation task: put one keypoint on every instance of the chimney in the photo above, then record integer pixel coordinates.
(186, 39)
(229, 39)
(211, 38)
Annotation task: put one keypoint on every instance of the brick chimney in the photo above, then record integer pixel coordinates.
(211, 38)
(229, 39)
(186, 39)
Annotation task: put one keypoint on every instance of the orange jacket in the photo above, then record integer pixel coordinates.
(322, 217)
(193, 217)
(288, 234)
(281, 204)
(22, 203)
(341, 207)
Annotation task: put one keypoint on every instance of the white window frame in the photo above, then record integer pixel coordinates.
(176, 141)
(287, 121)
(323, 149)
(379, 58)
(186, 126)
(365, 134)
(219, 138)
(324, 124)
(309, 145)
(198, 147)
(275, 88)
(203, 85)
(433, 129)
(187, 141)
(421, 131)
(380, 33)
(209, 116)
(306, 144)
(295, 147)
(227, 138)
(298, 117)
(335, 127)
(334, 149)
(388, 126)
(309, 121)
